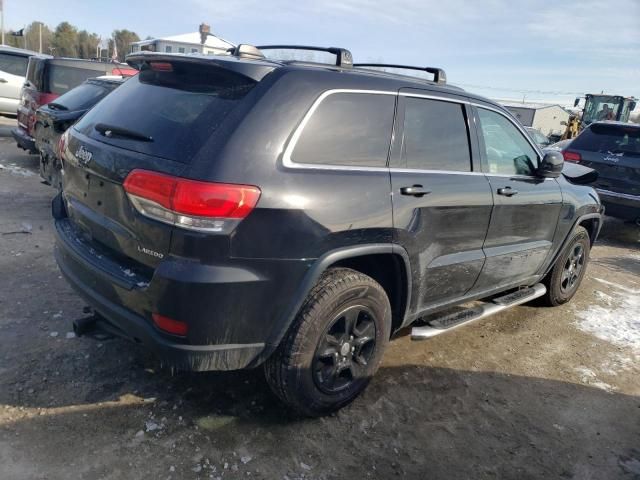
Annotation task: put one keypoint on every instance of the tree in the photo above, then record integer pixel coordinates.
(65, 40)
(123, 39)
(31, 38)
(87, 44)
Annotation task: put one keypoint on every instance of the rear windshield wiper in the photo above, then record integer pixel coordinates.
(112, 131)
(57, 106)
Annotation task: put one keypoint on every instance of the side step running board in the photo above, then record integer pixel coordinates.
(452, 321)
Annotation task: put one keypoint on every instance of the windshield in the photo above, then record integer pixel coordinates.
(604, 138)
(175, 106)
(84, 96)
(601, 107)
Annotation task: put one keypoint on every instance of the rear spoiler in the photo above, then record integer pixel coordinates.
(255, 70)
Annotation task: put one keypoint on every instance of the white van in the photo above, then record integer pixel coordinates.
(13, 70)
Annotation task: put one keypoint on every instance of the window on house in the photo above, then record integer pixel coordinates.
(168, 49)
(180, 49)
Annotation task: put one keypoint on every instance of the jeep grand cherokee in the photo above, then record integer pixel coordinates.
(233, 211)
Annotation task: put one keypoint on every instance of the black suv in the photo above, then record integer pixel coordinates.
(613, 150)
(231, 211)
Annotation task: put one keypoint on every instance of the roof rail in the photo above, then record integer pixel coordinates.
(439, 75)
(343, 56)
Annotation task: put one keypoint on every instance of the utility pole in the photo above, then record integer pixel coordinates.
(2, 19)
(40, 43)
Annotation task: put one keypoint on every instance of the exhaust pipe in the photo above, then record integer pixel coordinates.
(82, 326)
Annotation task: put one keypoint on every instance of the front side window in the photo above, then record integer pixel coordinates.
(14, 64)
(434, 136)
(507, 151)
(352, 129)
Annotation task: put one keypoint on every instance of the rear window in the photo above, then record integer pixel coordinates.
(177, 106)
(62, 78)
(84, 96)
(14, 64)
(352, 129)
(609, 138)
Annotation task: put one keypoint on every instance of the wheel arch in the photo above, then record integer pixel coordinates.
(373, 260)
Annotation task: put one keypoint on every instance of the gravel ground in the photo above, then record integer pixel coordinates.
(530, 393)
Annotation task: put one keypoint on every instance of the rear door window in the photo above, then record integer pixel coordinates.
(14, 64)
(613, 139)
(434, 136)
(351, 129)
(176, 106)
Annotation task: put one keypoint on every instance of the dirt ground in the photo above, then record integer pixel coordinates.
(531, 393)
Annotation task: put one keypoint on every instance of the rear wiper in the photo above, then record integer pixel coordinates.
(112, 131)
(57, 106)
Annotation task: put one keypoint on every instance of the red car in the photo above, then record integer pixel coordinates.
(48, 78)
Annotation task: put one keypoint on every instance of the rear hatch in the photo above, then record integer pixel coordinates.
(156, 121)
(31, 96)
(54, 118)
(613, 150)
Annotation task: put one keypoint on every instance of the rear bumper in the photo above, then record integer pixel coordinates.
(233, 313)
(620, 205)
(23, 140)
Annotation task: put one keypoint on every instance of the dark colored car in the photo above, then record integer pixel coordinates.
(233, 211)
(53, 119)
(613, 150)
(47, 79)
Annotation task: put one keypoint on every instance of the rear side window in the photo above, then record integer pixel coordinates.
(14, 64)
(177, 106)
(352, 129)
(84, 96)
(609, 138)
(62, 78)
(434, 136)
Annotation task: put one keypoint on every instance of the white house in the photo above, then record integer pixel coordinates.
(185, 43)
(546, 118)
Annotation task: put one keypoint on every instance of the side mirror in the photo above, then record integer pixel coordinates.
(577, 101)
(551, 165)
(632, 106)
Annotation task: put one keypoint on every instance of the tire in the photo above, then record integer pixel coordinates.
(319, 343)
(567, 273)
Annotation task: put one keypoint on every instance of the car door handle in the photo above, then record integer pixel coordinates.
(507, 191)
(415, 191)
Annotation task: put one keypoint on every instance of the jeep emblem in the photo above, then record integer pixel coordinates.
(83, 155)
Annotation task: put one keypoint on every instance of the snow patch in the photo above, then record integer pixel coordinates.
(588, 377)
(618, 321)
(16, 170)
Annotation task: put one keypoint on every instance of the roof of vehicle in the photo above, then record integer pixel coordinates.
(20, 51)
(257, 68)
(615, 123)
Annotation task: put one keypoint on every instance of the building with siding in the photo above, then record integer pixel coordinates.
(546, 118)
(185, 43)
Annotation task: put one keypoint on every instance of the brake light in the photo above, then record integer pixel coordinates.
(62, 144)
(161, 66)
(169, 325)
(192, 204)
(571, 156)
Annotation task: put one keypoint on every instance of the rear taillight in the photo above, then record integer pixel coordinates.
(62, 143)
(169, 325)
(570, 156)
(204, 206)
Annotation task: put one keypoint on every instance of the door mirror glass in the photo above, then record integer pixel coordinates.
(551, 165)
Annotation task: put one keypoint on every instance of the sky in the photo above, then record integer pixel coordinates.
(545, 50)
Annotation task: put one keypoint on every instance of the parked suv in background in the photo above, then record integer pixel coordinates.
(47, 79)
(613, 150)
(13, 69)
(53, 119)
(232, 211)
